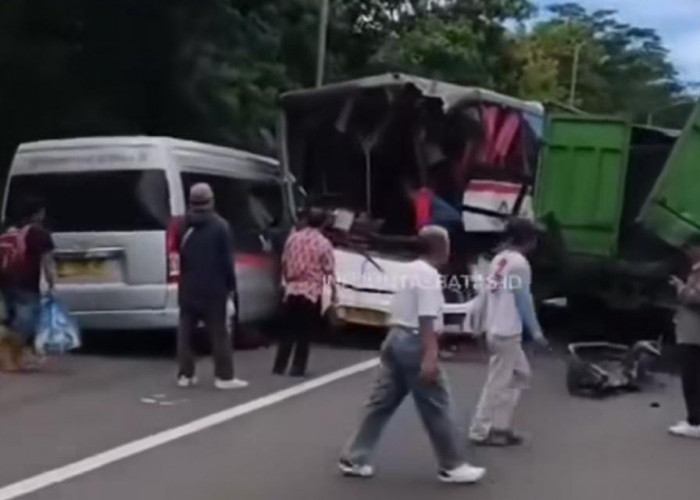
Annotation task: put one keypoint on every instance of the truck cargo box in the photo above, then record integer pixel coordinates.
(596, 174)
(672, 211)
(581, 181)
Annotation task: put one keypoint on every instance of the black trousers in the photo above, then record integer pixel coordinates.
(690, 373)
(302, 319)
(213, 315)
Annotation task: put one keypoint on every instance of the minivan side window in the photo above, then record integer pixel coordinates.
(102, 201)
(250, 207)
(267, 204)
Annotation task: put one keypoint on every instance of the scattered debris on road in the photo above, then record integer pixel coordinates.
(599, 369)
(162, 400)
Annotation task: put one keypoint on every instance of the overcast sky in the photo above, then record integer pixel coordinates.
(677, 21)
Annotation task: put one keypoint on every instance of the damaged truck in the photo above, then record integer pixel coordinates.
(390, 153)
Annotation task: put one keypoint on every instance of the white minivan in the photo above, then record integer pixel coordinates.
(115, 204)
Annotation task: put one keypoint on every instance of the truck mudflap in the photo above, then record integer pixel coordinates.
(672, 210)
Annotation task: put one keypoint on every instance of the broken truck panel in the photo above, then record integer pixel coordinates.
(672, 211)
(581, 181)
(367, 144)
(394, 152)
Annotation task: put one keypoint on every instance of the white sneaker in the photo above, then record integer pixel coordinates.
(185, 382)
(229, 385)
(464, 474)
(684, 429)
(354, 470)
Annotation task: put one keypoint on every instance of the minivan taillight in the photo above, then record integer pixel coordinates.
(172, 243)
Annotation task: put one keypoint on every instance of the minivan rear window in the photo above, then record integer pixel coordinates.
(125, 200)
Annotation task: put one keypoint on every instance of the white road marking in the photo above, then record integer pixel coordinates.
(75, 469)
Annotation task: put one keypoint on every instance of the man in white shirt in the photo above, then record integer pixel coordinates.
(509, 310)
(409, 364)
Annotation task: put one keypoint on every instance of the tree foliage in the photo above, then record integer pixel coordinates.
(622, 68)
(462, 41)
(213, 70)
(539, 71)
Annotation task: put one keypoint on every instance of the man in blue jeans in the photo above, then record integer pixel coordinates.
(409, 364)
(23, 289)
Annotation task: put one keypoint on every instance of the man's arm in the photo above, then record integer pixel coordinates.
(227, 249)
(429, 360)
(430, 302)
(48, 266)
(526, 308)
(689, 293)
(328, 268)
(328, 261)
(40, 242)
(525, 304)
(285, 259)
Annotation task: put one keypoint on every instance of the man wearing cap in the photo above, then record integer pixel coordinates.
(207, 281)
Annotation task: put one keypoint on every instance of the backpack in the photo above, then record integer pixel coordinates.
(13, 252)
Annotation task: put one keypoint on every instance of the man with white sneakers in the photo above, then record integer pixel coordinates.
(409, 364)
(207, 283)
(688, 339)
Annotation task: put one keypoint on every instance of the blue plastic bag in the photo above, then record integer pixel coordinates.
(58, 332)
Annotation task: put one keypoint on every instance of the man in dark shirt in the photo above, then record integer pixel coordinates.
(23, 293)
(207, 283)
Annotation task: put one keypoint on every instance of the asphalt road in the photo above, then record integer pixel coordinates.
(87, 404)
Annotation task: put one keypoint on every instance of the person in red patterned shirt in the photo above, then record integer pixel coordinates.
(307, 264)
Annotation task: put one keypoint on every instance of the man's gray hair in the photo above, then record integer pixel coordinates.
(432, 236)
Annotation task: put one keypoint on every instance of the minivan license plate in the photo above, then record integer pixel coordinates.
(70, 270)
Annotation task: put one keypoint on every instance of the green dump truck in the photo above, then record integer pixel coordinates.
(619, 200)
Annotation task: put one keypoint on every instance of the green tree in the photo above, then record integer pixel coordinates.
(209, 70)
(539, 72)
(213, 70)
(622, 68)
(462, 41)
(437, 49)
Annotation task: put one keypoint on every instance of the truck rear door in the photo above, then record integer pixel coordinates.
(672, 211)
(581, 180)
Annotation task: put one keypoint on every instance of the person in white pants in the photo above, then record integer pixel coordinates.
(509, 309)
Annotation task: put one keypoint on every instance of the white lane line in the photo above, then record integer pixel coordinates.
(75, 469)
